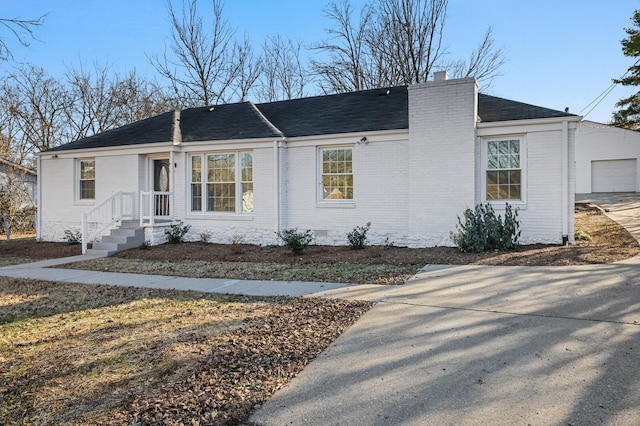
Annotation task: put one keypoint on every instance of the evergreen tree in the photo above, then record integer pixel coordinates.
(628, 116)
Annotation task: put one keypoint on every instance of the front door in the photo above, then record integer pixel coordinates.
(161, 176)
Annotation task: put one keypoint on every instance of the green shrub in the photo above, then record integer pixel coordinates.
(296, 241)
(358, 237)
(176, 232)
(73, 236)
(583, 236)
(483, 230)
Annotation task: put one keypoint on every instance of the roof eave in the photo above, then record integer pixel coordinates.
(506, 123)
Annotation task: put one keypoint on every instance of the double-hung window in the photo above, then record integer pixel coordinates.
(336, 175)
(87, 179)
(504, 177)
(222, 182)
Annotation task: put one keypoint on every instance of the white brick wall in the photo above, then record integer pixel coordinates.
(411, 185)
(380, 191)
(442, 158)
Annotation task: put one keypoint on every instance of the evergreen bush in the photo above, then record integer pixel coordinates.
(483, 230)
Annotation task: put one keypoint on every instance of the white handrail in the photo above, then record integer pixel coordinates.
(155, 205)
(114, 209)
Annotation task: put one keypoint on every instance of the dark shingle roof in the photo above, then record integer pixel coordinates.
(491, 108)
(367, 110)
(363, 111)
(149, 130)
(224, 122)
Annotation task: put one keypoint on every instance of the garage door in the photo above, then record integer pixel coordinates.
(613, 175)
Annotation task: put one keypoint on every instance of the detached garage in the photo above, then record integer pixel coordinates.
(606, 158)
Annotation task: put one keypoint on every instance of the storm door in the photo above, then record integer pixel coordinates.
(161, 186)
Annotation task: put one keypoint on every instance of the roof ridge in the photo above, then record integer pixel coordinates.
(265, 120)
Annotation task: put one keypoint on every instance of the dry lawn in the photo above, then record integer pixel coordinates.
(87, 355)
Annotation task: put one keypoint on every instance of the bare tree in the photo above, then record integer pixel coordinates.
(198, 67)
(347, 66)
(247, 70)
(484, 63)
(22, 30)
(136, 99)
(33, 105)
(394, 42)
(284, 75)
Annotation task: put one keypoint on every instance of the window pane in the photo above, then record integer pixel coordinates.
(503, 161)
(196, 197)
(196, 168)
(87, 189)
(514, 147)
(247, 197)
(87, 169)
(515, 192)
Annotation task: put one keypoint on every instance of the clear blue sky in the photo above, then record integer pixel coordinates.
(560, 53)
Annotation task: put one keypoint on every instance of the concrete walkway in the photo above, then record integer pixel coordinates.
(44, 270)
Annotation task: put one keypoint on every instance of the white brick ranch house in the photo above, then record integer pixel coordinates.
(407, 159)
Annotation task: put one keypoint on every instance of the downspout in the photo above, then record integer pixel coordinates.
(278, 144)
(276, 162)
(39, 198)
(565, 183)
(177, 142)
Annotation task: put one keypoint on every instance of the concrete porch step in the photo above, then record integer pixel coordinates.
(129, 235)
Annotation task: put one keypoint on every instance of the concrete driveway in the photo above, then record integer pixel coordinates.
(472, 345)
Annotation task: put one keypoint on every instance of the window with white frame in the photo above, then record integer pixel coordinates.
(336, 173)
(222, 182)
(504, 169)
(87, 179)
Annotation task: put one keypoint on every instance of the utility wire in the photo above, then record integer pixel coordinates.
(604, 94)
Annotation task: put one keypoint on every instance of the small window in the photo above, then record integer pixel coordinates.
(87, 184)
(504, 170)
(337, 173)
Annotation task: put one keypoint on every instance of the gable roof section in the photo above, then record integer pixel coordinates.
(362, 111)
(492, 108)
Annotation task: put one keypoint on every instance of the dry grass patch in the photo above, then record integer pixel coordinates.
(75, 354)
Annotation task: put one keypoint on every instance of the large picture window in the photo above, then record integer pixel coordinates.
(222, 182)
(337, 173)
(504, 170)
(87, 179)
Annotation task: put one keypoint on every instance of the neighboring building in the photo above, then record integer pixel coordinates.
(409, 160)
(606, 158)
(23, 179)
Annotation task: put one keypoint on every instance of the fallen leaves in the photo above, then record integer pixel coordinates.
(78, 354)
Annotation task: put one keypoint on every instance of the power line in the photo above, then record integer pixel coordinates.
(604, 94)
